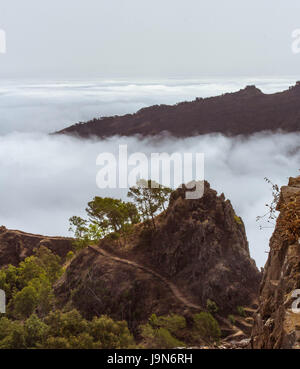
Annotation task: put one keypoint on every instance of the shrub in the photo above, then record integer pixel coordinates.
(211, 306)
(207, 326)
(241, 311)
(231, 318)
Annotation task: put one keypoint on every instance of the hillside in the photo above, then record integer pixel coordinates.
(198, 252)
(276, 324)
(240, 113)
(15, 245)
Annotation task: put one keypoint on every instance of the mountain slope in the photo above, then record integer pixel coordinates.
(244, 112)
(276, 324)
(198, 251)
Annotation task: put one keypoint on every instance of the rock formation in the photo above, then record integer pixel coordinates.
(241, 113)
(15, 246)
(277, 324)
(199, 247)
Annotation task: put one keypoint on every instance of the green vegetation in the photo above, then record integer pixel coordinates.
(113, 217)
(150, 197)
(241, 311)
(68, 330)
(231, 318)
(162, 332)
(173, 331)
(207, 327)
(238, 219)
(211, 306)
(32, 321)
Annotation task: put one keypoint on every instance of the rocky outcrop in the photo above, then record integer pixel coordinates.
(199, 246)
(277, 323)
(15, 246)
(240, 113)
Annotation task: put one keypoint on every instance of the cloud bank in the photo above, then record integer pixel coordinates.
(46, 179)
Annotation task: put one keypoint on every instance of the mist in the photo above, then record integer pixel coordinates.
(47, 179)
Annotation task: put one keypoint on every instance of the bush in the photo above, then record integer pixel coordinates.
(161, 332)
(173, 323)
(211, 306)
(241, 311)
(231, 318)
(207, 326)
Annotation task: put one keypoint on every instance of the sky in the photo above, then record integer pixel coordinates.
(148, 39)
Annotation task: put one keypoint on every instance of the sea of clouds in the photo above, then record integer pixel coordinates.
(46, 179)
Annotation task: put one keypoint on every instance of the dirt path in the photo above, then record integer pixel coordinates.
(178, 295)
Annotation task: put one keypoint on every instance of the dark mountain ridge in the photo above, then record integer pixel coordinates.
(239, 113)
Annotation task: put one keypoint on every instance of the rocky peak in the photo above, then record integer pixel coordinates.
(250, 91)
(276, 324)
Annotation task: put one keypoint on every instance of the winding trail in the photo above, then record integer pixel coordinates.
(177, 294)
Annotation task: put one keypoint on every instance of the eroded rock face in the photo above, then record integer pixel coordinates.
(15, 246)
(200, 246)
(276, 325)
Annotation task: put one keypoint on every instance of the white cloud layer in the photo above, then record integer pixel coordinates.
(46, 179)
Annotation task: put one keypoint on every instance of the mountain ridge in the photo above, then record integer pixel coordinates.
(244, 112)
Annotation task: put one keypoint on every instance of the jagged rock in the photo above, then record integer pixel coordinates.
(276, 325)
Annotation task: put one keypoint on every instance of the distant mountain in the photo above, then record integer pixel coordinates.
(244, 112)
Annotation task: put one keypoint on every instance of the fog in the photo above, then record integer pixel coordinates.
(47, 179)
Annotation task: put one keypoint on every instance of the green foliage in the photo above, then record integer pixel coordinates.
(70, 255)
(211, 306)
(150, 197)
(36, 331)
(207, 327)
(241, 311)
(107, 216)
(28, 287)
(111, 214)
(238, 219)
(173, 323)
(67, 330)
(111, 334)
(25, 302)
(231, 318)
(85, 233)
(161, 332)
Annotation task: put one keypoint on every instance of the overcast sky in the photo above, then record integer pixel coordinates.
(147, 39)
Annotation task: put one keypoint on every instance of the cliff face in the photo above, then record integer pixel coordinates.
(244, 112)
(15, 246)
(198, 251)
(202, 246)
(276, 325)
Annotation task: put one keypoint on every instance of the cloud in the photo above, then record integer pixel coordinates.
(46, 179)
